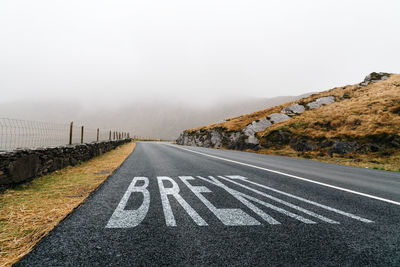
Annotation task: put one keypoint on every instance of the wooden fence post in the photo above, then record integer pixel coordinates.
(71, 126)
(82, 135)
(98, 130)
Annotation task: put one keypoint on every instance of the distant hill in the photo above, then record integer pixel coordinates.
(348, 121)
(157, 118)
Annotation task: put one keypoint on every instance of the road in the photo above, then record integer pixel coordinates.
(180, 206)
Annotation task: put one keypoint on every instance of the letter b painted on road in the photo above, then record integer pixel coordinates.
(122, 218)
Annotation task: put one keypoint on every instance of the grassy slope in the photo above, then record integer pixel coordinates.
(29, 211)
(361, 114)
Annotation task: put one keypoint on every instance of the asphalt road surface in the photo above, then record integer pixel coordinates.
(184, 206)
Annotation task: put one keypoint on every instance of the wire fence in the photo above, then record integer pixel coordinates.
(21, 134)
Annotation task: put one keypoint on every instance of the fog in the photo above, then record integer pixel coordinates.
(177, 64)
(157, 119)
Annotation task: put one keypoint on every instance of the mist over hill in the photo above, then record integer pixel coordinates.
(157, 118)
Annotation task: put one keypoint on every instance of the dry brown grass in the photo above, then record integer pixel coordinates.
(371, 160)
(30, 211)
(370, 110)
(238, 123)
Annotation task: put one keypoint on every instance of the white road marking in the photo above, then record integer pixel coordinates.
(122, 218)
(130, 218)
(292, 196)
(243, 198)
(174, 191)
(323, 218)
(231, 217)
(290, 175)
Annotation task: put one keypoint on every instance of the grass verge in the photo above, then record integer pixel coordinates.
(30, 211)
(371, 160)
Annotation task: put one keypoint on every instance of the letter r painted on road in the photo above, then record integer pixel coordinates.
(174, 191)
(122, 218)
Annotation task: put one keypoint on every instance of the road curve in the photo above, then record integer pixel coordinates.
(180, 206)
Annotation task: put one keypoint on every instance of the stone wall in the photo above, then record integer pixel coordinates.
(24, 165)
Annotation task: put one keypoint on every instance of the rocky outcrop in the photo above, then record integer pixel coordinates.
(293, 110)
(278, 117)
(340, 147)
(302, 146)
(321, 101)
(279, 138)
(374, 77)
(254, 127)
(216, 138)
(247, 137)
(23, 165)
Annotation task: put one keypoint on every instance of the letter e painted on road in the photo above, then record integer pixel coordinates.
(232, 217)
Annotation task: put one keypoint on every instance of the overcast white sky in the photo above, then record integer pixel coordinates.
(117, 51)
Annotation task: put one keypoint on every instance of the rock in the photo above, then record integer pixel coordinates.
(395, 144)
(340, 147)
(321, 101)
(369, 147)
(326, 143)
(216, 138)
(179, 141)
(23, 168)
(234, 137)
(253, 128)
(375, 77)
(346, 96)
(198, 139)
(236, 140)
(278, 117)
(293, 109)
(220, 137)
(374, 147)
(277, 138)
(302, 146)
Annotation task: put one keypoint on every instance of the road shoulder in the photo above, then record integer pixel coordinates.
(30, 211)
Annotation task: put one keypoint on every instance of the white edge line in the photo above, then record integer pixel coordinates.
(293, 176)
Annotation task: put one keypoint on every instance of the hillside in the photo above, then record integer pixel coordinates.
(354, 124)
